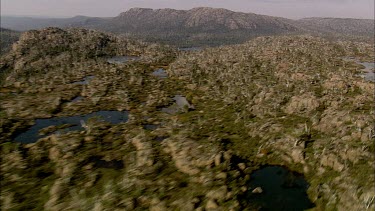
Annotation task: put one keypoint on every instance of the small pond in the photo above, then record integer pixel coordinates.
(122, 59)
(368, 73)
(160, 73)
(85, 80)
(100, 163)
(280, 188)
(180, 104)
(368, 70)
(32, 134)
(76, 99)
(150, 127)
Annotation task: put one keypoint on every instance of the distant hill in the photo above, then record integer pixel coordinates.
(29, 23)
(199, 20)
(199, 26)
(344, 26)
(8, 37)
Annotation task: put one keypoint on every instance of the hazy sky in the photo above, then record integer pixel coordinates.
(110, 8)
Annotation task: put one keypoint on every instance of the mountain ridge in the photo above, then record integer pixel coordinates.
(200, 25)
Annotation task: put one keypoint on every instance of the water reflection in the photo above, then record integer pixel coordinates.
(160, 73)
(85, 80)
(367, 70)
(32, 134)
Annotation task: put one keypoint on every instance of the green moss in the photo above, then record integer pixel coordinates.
(8, 147)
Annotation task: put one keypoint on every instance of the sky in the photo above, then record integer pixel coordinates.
(109, 8)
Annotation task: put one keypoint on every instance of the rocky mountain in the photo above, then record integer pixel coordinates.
(199, 20)
(199, 26)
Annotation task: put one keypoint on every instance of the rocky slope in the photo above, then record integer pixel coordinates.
(291, 101)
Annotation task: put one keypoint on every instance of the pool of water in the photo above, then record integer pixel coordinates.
(151, 127)
(368, 70)
(180, 104)
(85, 80)
(160, 73)
(32, 134)
(100, 163)
(122, 59)
(281, 189)
(76, 99)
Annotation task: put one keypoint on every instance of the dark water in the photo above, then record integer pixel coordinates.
(161, 138)
(85, 80)
(76, 99)
(100, 163)
(151, 127)
(282, 190)
(31, 135)
(122, 59)
(160, 73)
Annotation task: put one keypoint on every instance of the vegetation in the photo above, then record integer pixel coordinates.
(288, 100)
